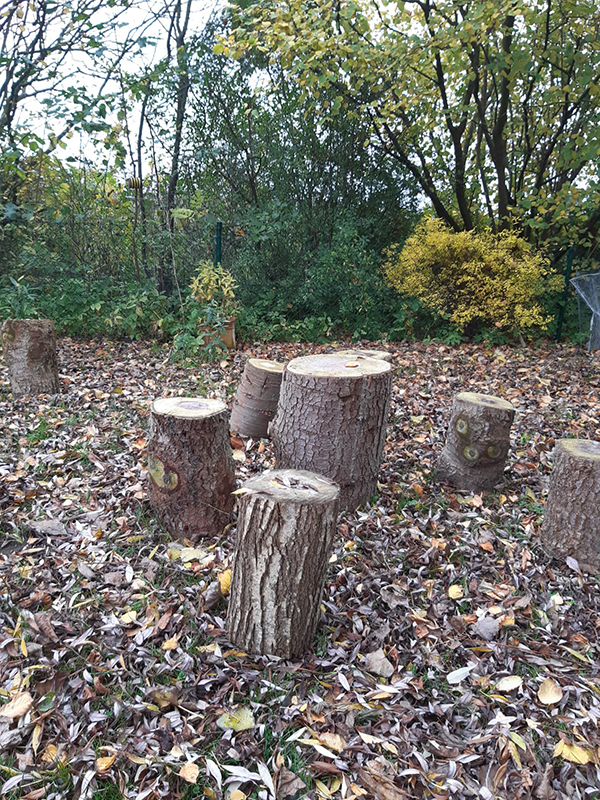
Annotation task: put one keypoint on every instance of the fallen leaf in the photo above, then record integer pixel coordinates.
(189, 772)
(572, 752)
(377, 663)
(509, 683)
(170, 644)
(105, 763)
(455, 592)
(17, 707)
(224, 579)
(549, 692)
(288, 784)
(239, 720)
(458, 675)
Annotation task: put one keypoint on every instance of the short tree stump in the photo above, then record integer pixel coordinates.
(478, 441)
(29, 347)
(286, 525)
(571, 524)
(190, 466)
(256, 399)
(331, 419)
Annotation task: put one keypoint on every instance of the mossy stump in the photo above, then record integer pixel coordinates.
(477, 443)
(571, 524)
(29, 347)
(331, 419)
(256, 399)
(286, 524)
(190, 466)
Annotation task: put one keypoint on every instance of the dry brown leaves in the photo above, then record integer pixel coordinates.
(454, 659)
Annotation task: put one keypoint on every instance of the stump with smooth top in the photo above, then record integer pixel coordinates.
(477, 443)
(29, 347)
(385, 355)
(331, 419)
(256, 399)
(571, 524)
(190, 466)
(285, 530)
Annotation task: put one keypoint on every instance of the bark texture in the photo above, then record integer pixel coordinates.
(285, 531)
(256, 400)
(331, 420)
(571, 524)
(190, 467)
(384, 355)
(29, 347)
(478, 440)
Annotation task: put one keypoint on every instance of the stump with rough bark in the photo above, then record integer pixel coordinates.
(256, 399)
(190, 466)
(571, 524)
(477, 443)
(331, 420)
(29, 347)
(385, 355)
(285, 530)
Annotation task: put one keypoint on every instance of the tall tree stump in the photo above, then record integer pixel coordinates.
(29, 347)
(285, 530)
(571, 524)
(190, 467)
(385, 355)
(478, 440)
(256, 399)
(331, 420)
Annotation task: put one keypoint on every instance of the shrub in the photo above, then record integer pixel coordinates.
(473, 280)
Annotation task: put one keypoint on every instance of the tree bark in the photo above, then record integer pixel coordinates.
(285, 531)
(571, 524)
(30, 353)
(331, 420)
(256, 400)
(384, 355)
(478, 440)
(190, 467)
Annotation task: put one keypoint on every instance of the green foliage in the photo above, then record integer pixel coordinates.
(472, 279)
(17, 299)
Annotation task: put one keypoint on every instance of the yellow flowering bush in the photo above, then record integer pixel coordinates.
(214, 285)
(473, 279)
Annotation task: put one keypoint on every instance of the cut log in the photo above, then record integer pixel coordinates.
(285, 530)
(477, 443)
(256, 400)
(331, 420)
(385, 355)
(190, 467)
(29, 347)
(571, 524)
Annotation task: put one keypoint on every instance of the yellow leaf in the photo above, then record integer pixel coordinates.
(18, 706)
(37, 737)
(225, 582)
(189, 772)
(368, 739)
(104, 764)
(50, 755)
(391, 748)
(210, 793)
(518, 740)
(236, 794)
(239, 720)
(455, 592)
(170, 644)
(509, 684)
(188, 554)
(23, 647)
(322, 790)
(332, 740)
(549, 692)
(515, 754)
(129, 617)
(572, 752)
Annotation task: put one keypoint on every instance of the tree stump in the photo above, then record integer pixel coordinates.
(29, 347)
(331, 420)
(477, 443)
(256, 399)
(285, 530)
(385, 355)
(571, 524)
(190, 467)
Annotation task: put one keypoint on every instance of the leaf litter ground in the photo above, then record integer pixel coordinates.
(454, 659)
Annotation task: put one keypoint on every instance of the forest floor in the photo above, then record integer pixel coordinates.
(116, 676)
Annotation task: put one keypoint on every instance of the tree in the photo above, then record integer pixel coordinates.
(492, 107)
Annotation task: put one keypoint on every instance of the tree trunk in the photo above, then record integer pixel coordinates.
(190, 468)
(30, 353)
(571, 523)
(385, 355)
(331, 420)
(478, 440)
(286, 525)
(255, 403)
